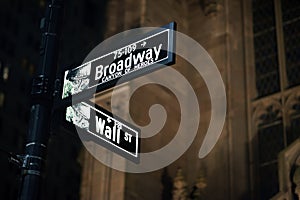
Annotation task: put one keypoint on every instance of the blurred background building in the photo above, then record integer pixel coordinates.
(256, 46)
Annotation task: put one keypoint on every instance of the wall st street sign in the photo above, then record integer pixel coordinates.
(98, 125)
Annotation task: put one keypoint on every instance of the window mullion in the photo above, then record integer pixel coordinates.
(280, 45)
(282, 63)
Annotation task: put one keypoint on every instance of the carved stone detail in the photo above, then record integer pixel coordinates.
(271, 108)
(180, 186)
(296, 180)
(292, 102)
(210, 7)
(267, 111)
(181, 190)
(287, 159)
(199, 187)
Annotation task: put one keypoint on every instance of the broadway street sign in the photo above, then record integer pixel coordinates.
(135, 59)
(98, 125)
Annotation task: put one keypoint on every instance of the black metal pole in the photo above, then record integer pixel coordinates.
(42, 102)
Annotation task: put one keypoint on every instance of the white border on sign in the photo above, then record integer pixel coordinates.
(136, 137)
(168, 48)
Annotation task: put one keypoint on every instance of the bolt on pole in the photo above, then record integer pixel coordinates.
(42, 102)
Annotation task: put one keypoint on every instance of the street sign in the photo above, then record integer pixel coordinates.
(141, 56)
(98, 125)
(128, 62)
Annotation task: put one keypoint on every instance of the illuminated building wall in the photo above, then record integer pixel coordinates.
(255, 46)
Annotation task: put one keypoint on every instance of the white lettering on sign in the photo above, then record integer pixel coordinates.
(127, 137)
(138, 60)
(157, 51)
(134, 58)
(103, 128)
(124, 51)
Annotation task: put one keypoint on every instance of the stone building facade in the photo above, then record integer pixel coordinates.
(255, 45)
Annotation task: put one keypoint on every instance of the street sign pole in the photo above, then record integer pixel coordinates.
(42, 102)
